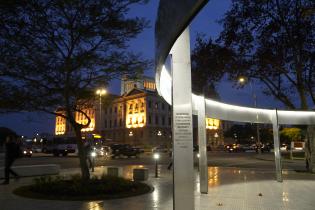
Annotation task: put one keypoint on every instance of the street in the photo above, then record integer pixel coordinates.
(222, 159)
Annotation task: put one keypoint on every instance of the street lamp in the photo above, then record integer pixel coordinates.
(101, 92)
(243, 80)
(156, 157)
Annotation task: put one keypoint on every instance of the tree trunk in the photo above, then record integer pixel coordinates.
(310, 149)
(82, 155)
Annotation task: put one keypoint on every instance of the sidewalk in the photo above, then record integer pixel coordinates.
(271, 157)
(233, 188)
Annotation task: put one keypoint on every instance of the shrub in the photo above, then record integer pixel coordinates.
(74, 188)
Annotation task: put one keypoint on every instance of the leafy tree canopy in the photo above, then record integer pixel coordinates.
(291, 134)
(55, 53)
(270, 41)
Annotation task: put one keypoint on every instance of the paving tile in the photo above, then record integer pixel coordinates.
(235, 189)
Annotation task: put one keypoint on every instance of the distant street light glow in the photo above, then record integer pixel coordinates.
(93, 154)
(156, 156)
(241, 80)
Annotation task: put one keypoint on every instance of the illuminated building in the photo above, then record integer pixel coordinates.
(61, 124)
(214, 132)
(62, 127)
(138, 116)
(212, 124)
(82, 119)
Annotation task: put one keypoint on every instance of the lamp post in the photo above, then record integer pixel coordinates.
(93, 156)
(243, 80)
(156, 157)
(100, 92)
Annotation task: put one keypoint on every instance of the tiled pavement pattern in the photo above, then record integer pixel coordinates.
(229, 189)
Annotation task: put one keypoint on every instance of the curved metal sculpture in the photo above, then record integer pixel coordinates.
(173, 18)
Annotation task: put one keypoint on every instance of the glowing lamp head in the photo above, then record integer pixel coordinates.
(156, 156)
(93, 154)
(241, 80)
(198, 155)
(101, 92)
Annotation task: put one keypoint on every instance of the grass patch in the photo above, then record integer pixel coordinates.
(74, 188)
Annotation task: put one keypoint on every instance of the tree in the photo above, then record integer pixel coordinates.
(288, 135)
(208, 60)
(273, 42)
(266, 135)
(241, 132)
(56, 53)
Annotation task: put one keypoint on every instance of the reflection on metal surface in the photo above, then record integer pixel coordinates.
(285, 172)
(285, 196)
(173, 17)
(95, 206)
(155, 197)
(202, 142)
(182, 125)
(213, 174)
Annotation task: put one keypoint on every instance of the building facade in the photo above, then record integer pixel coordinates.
(138, 116)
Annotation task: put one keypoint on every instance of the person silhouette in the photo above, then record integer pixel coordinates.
(12, 152)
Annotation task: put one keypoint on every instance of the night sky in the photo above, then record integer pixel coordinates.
(28, 124)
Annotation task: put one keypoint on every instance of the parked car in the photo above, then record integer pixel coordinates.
(160, 149)
(36, 149)
(124, 150)
(284, 147)
(103, 151)
(266, 147)
(139, 149)
(64, 146)
(233, 148)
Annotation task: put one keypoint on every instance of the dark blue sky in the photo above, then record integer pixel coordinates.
(206, 22)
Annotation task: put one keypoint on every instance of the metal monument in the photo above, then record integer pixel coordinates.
(172, 38)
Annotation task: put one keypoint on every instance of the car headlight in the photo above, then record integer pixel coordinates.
(31, 152)
(24, 152)
(93, 154)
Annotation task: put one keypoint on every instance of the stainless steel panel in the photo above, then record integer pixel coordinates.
(183, 171)
(276, 142)
(172, 19)
(203, 159)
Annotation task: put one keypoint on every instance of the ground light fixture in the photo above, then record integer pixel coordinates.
(156, 157)
(93, 156)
